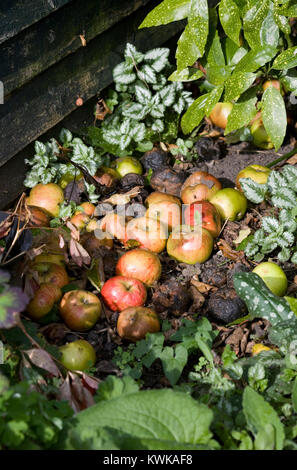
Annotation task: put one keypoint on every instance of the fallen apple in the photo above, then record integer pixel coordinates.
(46, 196)
(203, 213)
(93, 244)
(140, 264)
(273, 276)
(38, 217)
(121, 292)
(190, 245)
(80, 220)
(43, 301)
(80, 309)
(87, 208)
(50, 273)
(220, 113)
(146, 233)
(164, 207)
(114, 225)
(92, 225)
(78, 355)
(199, 186)
(50, 257)
(260, 137)
(69, 176)
(126, 165)
(257, 173)
(230, 203)
(135, 322)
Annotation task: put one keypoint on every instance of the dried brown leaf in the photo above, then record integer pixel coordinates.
(121, 199)
(78, 253)
(42, 359)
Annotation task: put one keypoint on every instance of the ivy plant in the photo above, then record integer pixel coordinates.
(144, 107)
(238, 44)
(276, 232)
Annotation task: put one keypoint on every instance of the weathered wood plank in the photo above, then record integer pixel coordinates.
(16, 15)
(50, 40)
(47, 99)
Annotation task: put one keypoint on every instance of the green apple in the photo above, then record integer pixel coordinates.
(273, 276)
(127, 165)
(257, 173)
(78, 355)
(260, 137)
(230, 203)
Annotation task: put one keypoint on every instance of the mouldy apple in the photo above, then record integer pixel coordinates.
(126, 165)
(203, 213)
(220, 113)
(140, 264)
(78, 355)
(164, 207)
(121, 292)
(43, 301)
(148, 233)
(80, 309)
(51, 273)
(135, 322)
(47, 196)
(199, 186)
(273, 276)
(190, 245)
(257, 173)
(230, 203)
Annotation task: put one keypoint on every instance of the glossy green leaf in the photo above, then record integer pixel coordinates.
(255, 59)
(215, 55)
(242, 112)
(269, 31)
(294, 395)
(166, 12)
(218, 74)
(213, 99)
(237, 84)
(289, 81)
(191, 44)
(286, 60)
(252, 22)
(230, 19)
(194, 114)
(173, 362)
(274, 116)
(281, 21)
(186, 75)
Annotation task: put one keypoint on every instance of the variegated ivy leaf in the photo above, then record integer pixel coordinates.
(289, 172)
(161, 82)
(294, 258)
(259, 236)
(65, 137)
(284, 255)
(135, 111)
(276, 181)
(125, 141)
(138, 131)
(254, 192)
(157, 110)
(290, 226)
(284, 198)
(268, 246)
(123, 73)
(125, 126)
(158, 58)
(31, 180)
(251, 249)
(158, 126)
(180, 105)
(270, 224)
(288, 238)
(285, 215)
(143, 93)
(132, 56)
(40, 148)
(187, 96)
(147, 74)
(167, 95)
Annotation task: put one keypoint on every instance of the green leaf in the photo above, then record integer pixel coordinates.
(215, 55)
(218, 74)
(261, 302)
(150, 414)
(255, 59)
(252, 22)
(243, 111)
(192, 42)
(289, 81)
(12, 301)
(185, 75)
(259, 413)
(269, 31)
(166, 12)
(230, 19)
(274, 115)
(253, 191)
(202, 106)
(286, 59)
(281, 21)
(173, 362)
(237, 84)
(113, 387)
(294, 395)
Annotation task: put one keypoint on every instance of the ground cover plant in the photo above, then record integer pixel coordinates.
(137, 280)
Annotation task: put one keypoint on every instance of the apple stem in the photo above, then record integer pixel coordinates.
(283, 157)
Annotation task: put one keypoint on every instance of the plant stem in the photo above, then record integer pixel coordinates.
(283, 157)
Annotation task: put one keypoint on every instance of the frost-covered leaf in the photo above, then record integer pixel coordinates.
(253, 191)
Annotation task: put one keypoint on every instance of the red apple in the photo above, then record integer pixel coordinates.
(47, 196)
(51, 273)
(140, 264)
(78, 355)
(164, 207)
(220, 113)
(275, 83)
(43, 300)
(199, 186)
(148, 233)
(121, 292)
(230, 203)
(135, 322)
(190, 245)
(80, 309)
(204, 213)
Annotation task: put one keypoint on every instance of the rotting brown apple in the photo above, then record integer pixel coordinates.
(230, 203)
(135, 322)
(147, 233)
(38, 217)
(78, 355)
(220, 113)
(43, 301)
(140, 264)
(50, 273)
(199, 186)
(121, 292)
(203, 213)
(47, 196)
(80, 309)
(190, 245)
